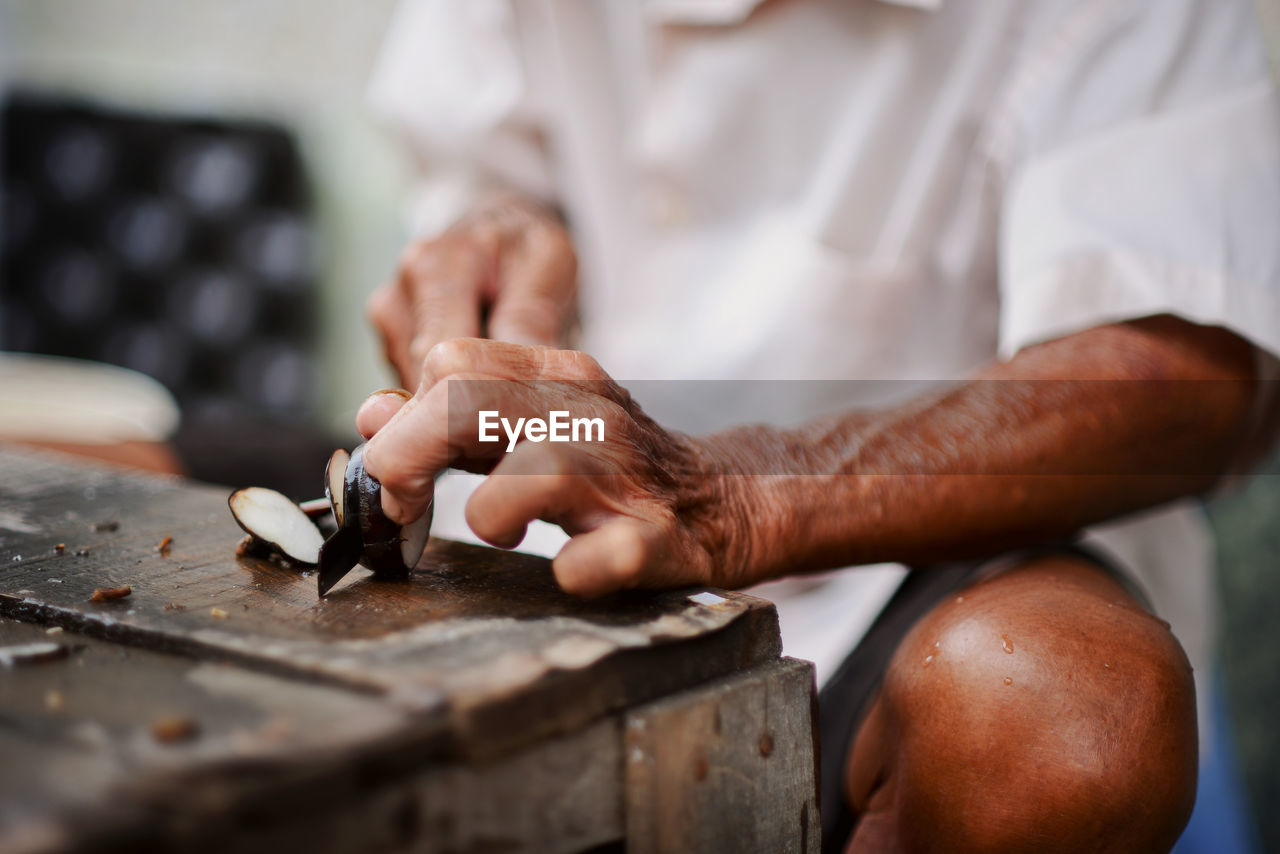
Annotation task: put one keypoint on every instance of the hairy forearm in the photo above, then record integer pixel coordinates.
(1067, 434)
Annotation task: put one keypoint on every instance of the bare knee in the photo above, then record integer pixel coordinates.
(1041, 710)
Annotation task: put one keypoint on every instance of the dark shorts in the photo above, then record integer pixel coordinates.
(843, 700)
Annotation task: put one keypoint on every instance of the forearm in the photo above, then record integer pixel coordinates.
(1067, 434)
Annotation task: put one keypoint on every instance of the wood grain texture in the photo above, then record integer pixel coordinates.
(726, 767)
(272, 764)
(220, 704)
(484, 635)
(82, 763)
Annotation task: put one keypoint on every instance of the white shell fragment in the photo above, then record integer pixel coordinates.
(414, 540)
(274, 519)
(335, 473)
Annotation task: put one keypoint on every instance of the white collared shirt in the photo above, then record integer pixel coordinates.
(851, 189)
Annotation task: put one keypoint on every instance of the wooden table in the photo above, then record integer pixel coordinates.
(223, 706)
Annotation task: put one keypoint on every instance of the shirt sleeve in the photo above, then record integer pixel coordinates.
(1146, 175)
(454, 79)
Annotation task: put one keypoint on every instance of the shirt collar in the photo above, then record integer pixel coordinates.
(724, 13)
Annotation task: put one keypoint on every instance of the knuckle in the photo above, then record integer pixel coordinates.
(379, 306)
(425, 259)
(585, 366)
(466, 246)
(446, 358)
(554, 252)
(413, 254)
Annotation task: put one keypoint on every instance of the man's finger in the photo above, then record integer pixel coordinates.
(527, 318)
(378, 408)
(390, 315)
(503, 360)
(608, 559)
(444, 281)
(498, 359)
(408, 451)
(535, 301)
(536, 481)
(439, 427)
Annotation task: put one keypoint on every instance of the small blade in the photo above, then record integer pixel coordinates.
(338, 555)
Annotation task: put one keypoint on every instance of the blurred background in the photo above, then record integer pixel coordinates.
(198, 191)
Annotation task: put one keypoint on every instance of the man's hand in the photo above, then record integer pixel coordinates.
(646, 507)
(507, 271)
(1067, 434)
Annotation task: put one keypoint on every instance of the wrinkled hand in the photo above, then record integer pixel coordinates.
(507, 271)
(646, 507)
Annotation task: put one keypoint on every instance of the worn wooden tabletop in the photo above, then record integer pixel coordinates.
(228, 679)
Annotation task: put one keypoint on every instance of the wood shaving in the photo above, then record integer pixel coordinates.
(165, 546)
(171, 730)
(108, 594)
(218, 613)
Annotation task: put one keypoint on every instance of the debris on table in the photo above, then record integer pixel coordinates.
(109, 594)
(59, 548)
(105, 527)
(165, 546)
(218, 613)
(174, 729)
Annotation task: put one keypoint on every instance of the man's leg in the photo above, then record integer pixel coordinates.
(1043, 709)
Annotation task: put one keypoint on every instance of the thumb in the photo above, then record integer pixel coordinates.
(378, 408)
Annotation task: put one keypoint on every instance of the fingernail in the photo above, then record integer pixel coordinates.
(372, 415)
(398, 392)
